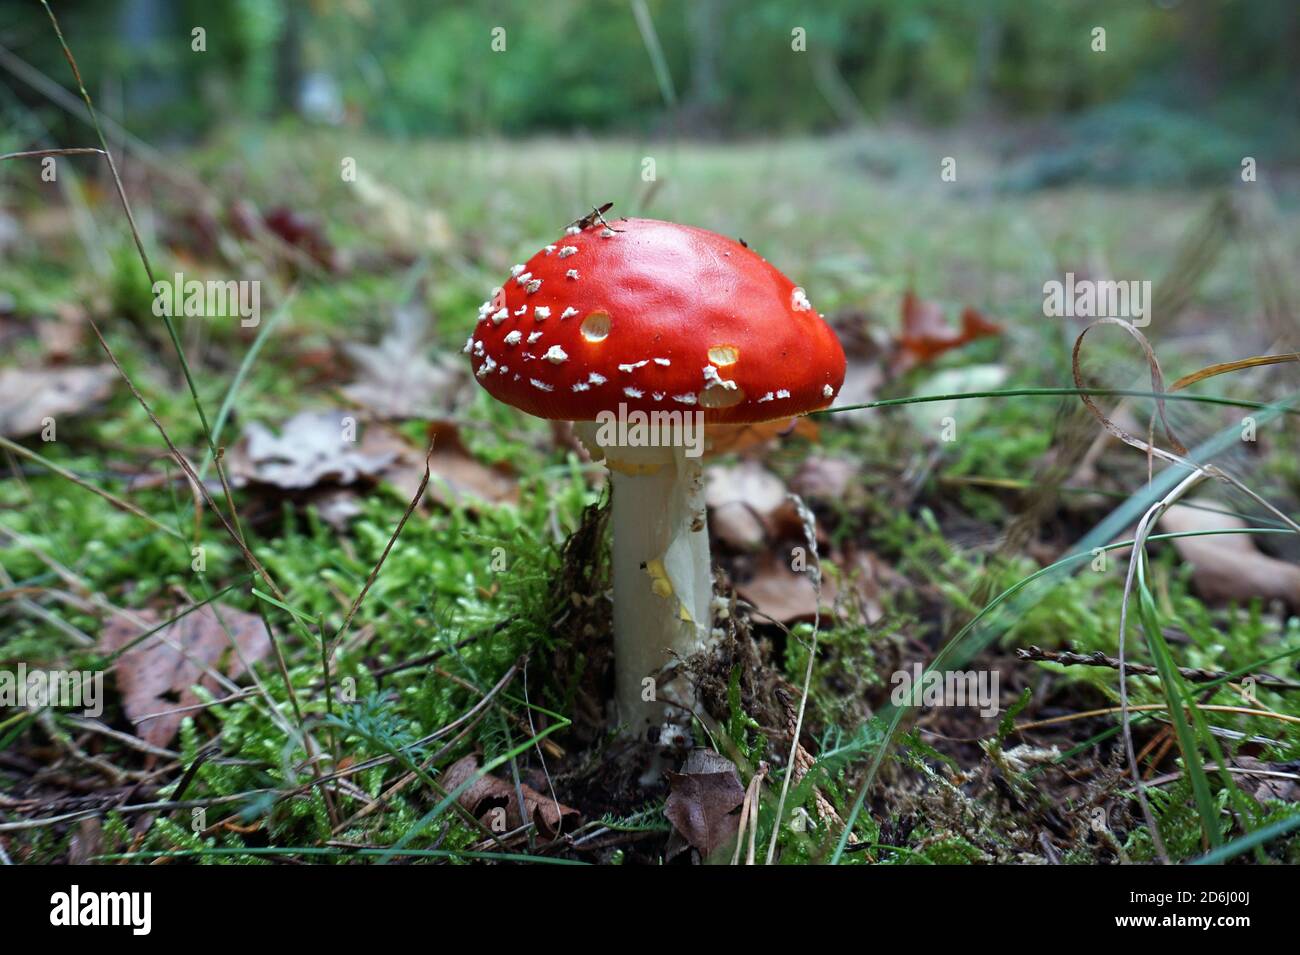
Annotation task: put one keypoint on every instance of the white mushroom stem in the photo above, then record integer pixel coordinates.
(663, 583)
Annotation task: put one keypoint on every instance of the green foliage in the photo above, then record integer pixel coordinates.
(419, 68)
(742, 728)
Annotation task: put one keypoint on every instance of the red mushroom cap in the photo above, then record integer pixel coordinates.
(656, 316)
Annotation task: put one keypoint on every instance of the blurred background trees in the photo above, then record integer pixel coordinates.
(1181, 75)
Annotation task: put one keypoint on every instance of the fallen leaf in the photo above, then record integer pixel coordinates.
(551, 818)
(154, 676)
(1229, 566)
(313, 460)
(703, 799)
(27, 397)
(1284, 786)
(789, 596)
(743, 500)
(926, 334)
(455, 475)
(826, 479)
(312, 448)
(397, 380)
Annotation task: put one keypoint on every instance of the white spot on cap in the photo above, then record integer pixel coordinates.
(582, 386)
(521, 309)
(469, 344)
(712, 379)
(799, 300)
(596, 379)
(514, 338)
(663, 361)
(556, 355)
(767, 397)
(478, 348)
(533, 286)
(568, 250)
(686, 399)
(827, 391)
(634, 365)
(541, 313)
(500, 316)
(569, 312)
(533, 337)
(657, 395)
(607, 233)
(572, 230)
(523, 277)
(486, 367)
(549, 249)
(516, 269)
(571, 274)
(633, 393)
(541, 384)
(504, 369)
(782, 393)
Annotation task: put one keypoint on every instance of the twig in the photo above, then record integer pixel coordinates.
(374, 573)
(815, 572)
(1238, 770)
(1153, 707)
(64, 473)
(163, 805)
(749, 816)
(1099, 659)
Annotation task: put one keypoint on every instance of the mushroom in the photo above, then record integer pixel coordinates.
(651, 326)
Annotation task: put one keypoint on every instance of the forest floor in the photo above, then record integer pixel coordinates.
(391, 716)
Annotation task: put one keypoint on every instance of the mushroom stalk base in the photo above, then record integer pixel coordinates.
(663, 582)
(663, 590)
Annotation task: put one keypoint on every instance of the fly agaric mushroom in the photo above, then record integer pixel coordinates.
(639, 319)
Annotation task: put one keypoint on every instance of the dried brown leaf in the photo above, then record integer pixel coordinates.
(822, 478)
(743, 501)
(312, 448)
(397, 379)
(1229, 566)
(703, 799)
(550, 817)
(456, 476)
(926, 334)
(154, 676)
(789, 597)
(28, 396)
